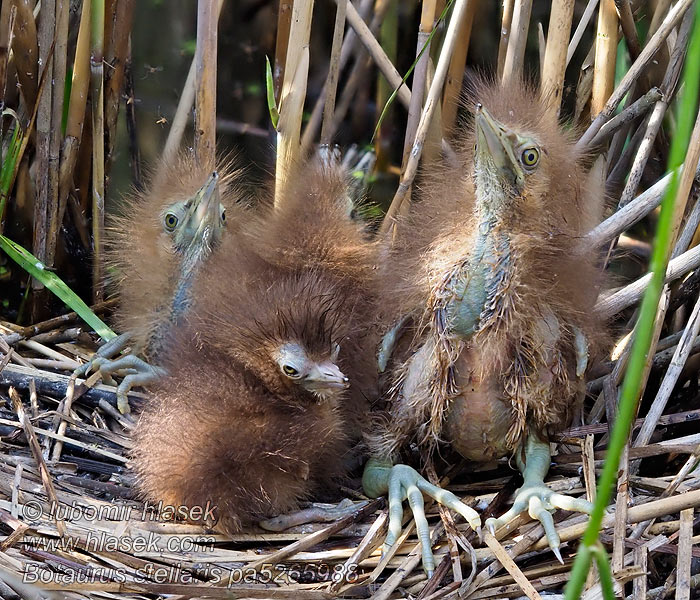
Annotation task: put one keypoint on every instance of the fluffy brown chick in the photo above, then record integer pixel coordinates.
(500, 290)
(162, 238)
(257, 393)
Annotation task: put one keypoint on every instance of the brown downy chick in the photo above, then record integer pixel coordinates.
(260, 401)
(502, 290)
(312, 228)
(162, 238)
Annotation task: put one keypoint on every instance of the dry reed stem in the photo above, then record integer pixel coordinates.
(455, 73)
(629, 30)
(552, 83)
(116, 56)
(42, 206)
(184, 106)
(205, 77)
(517, 41)
(668, 87)
(425, 27)
(291, 104)
(580, 29)
(76, 110)
(284, 23)
(506, 21)
(375, 50)
(98, 146)
(631, 293)
(331, 86)
(648, 52)
(26, 51)
(685, 547)
(426, 117)
(349, 43)
(605, 55)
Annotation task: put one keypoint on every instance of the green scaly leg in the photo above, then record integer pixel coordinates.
(535, 497)
(400, 482)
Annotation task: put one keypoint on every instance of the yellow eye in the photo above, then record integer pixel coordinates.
(530, 156)
(171, 221)
(289, 370)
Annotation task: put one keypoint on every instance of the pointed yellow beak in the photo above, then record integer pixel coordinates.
(493, 141)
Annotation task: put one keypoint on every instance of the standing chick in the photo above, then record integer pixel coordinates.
(157, 246)
(259, 403)
(501, 291)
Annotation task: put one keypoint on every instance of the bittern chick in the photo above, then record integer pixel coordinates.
(257, 388)
(494, 274)
(157, 246)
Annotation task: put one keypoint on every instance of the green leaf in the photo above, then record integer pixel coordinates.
(9, 161)
(270, 85)
(53, 282)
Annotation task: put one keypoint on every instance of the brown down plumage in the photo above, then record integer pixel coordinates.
(517, 370)
(227, 426)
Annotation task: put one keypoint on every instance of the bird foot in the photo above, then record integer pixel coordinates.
(315, 514)
(138, 372)
(540, 502)
(402, 482)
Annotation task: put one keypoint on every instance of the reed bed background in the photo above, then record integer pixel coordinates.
(90, 95)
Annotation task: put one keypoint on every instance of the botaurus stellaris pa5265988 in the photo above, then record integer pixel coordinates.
(156, 248)
(259, 404)
(490, 278)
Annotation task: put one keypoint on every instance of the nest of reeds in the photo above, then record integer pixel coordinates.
(70, 522)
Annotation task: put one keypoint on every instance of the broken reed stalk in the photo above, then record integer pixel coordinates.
(552, 83)
(331, 86)
(455, 73)
(517, 40)
(291, 103)
(605, 56)
(76, 109)
(631, 386)
(182, 113)
(205, 75)
(433, 98)
(98, 146)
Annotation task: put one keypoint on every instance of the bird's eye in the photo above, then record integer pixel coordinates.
(171, 221)
(530, 156)
(290, 371)
(223, 215)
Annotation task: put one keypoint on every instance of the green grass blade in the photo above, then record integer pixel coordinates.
(9, 161)
(631, 386)
(270, 86)
(53, 282)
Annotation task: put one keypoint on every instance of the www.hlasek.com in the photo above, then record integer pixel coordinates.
(34, 511)
(177, 574)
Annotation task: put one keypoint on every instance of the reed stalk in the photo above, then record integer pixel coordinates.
(506, 22)
(284, 23)
(293, 93)
(433, 98)
(455, 73)
(331, 86)
(517, 41)
(552, 83)
(26, 51)
(605, 56)
(97, 18)
(205, 96)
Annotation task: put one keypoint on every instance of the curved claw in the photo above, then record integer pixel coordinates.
(402, 482)
(540, 502)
